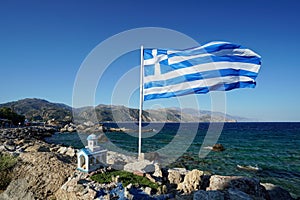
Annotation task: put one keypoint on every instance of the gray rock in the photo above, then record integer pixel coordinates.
(10, 145)
(235, 194)
(16, 190)
(208, 195)
(276, 193)
(143, 165)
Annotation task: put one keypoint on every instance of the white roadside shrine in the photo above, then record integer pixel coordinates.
(92, 156)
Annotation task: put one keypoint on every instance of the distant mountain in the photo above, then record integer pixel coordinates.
(39, 109)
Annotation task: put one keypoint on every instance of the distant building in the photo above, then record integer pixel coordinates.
(92, 156)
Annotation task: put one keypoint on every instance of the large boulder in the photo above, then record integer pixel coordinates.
(37, 175)
(157, 171)
(175, 176)
(70, 152)
(276, 193)
(250, 186)
(143, 166)
(192, 181)
(218, 147)
(235, 194)
(17, 190)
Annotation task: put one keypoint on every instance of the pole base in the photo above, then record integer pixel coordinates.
(141, 156)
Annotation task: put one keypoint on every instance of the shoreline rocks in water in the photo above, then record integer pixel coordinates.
(48, 171)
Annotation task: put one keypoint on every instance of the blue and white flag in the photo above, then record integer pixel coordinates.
(216, 66)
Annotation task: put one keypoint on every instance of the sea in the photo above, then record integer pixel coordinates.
(267, 151)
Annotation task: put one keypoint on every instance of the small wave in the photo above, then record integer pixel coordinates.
(208, 147)
(248, 167)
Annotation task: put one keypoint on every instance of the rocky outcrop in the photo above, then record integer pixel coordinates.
(36, 132)
(68, 128)
(38, 175)
(192, 181)
(218, 147)
(249, 186)
(276, 193)
(48, 171)
(175, 175)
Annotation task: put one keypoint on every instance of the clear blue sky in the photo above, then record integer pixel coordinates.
(43, 43)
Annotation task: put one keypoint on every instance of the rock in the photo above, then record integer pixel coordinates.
(152, 156)
(62, 150)
(148, 176)
(91, 194)
(37, 148)
(10, 145)
(138, 173)
(70, 152)
(174, 176)
(218, 147)
(235, 194)
(162, 190)
(143, 165)
(276, 193)
(40, 175)
(208, 195)
(204, 182)
(80, 127)
(148, 190)
(16, 190)
(250, 186)
(129, 186)
(88, 123)
(157, 171)
(192, 181)
(71, 129)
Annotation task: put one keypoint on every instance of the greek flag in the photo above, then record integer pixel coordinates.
(216, 66)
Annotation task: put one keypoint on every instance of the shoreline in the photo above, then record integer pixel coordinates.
(65, 158)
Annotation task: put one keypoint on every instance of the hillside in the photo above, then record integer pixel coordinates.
(39, 109)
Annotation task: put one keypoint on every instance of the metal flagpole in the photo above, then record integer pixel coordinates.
(141, 103)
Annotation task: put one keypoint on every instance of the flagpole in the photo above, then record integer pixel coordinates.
(141, 103)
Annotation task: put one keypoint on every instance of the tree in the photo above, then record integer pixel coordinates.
(7, 113)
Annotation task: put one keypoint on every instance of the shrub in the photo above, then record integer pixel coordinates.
(7, 162)
(125, 178)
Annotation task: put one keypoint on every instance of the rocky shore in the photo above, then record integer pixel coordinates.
(48, 171)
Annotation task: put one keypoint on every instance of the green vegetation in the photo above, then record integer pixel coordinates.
(7, 113)
(124, 177)
(7, 162)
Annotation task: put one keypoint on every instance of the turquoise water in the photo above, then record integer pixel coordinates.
(273, 147)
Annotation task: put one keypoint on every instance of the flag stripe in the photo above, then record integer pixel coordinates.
(166, 67)
(198, 83)
(201, 90)
(198, 68)
(223, 52)
(200, 76)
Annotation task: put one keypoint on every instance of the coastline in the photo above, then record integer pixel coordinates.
(57, 159)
